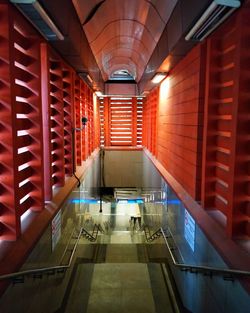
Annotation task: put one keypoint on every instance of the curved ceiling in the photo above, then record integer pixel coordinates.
(123, 34)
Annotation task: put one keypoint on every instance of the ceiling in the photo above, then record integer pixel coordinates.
(123, 34)
(140, 37)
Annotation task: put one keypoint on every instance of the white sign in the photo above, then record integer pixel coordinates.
(189, 229)
(56, 229)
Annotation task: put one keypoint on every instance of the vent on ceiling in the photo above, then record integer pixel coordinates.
(213, 16)
(39, 18)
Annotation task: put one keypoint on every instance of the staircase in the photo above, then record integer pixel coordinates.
(112, 271)
(124, 274)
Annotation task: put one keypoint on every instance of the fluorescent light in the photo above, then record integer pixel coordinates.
(89, 78)
(98, 93)
(145, 93)
(213, 16)
(158, 77)
(39, 18)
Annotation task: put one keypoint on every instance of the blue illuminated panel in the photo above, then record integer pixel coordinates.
(189, 229)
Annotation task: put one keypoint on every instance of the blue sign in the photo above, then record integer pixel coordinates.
(85, 201)
(130, 201)
(189, 229)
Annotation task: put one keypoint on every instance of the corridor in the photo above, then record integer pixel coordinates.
(124, 156)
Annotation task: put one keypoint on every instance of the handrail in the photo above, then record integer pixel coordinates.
(99, 228)
(200, 268)
(58, 268)
(152, 237)
(93, 236)
(66, 248)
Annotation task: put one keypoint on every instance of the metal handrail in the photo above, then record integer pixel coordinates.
(200, 268)
(151, 237)
(66, 248)
(93, 236)
(49, 269)
(99, 228)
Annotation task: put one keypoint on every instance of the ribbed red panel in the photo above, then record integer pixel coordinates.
(57, 119)
(77, 117)
(84, 135)
(107, 125)
(37, 94)
(27, 72)
(60, 93)
(172, 129)
(139, 116)
(47, 157)
(181, 119)
(102, 124)
(9, 222)
(91, 120)
(21, 154)
(96, 124)
(227, 127)
(84, 132)
(150, 121)
(68, 85)
(121, 121)
(90, 124)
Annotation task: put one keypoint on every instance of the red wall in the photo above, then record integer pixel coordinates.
(203, 124)
(225, 180)
(41, 101)
(180, 118)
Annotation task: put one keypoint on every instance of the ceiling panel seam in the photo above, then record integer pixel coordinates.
(119, 20)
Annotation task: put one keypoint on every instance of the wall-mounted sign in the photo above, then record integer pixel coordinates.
(56, 229)
(189, 229)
